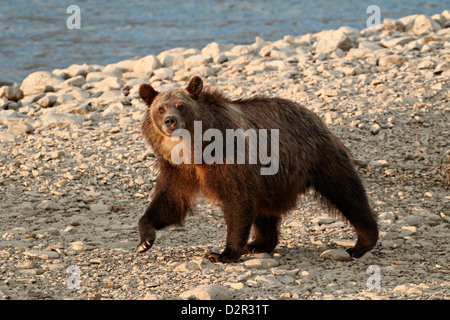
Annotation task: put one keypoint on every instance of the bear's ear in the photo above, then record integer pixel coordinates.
(147, 93)
(195, 87)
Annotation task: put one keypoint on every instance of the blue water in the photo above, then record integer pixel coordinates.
(34, 35)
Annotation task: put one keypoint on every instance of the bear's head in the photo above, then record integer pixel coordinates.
(176, 109)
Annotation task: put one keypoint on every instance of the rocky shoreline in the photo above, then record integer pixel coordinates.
(76, 173)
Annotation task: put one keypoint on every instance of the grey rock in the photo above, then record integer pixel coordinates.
(49, 205)
(77, 81)
(11, 93)
(99, 208)
(391, 24)
(47, 101)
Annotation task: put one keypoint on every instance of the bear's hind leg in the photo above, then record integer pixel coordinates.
(239, 221)
(342, 188)
(265, 234)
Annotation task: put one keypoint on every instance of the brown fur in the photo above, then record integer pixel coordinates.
(310, 156)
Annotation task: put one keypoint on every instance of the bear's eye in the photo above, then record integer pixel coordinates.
(161, 110)
(180, 107)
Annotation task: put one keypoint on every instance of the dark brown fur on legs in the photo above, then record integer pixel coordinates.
(265, 234)
(173, 199)
(309, 156)
(342, 189)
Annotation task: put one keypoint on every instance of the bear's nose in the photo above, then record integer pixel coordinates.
(170, 122)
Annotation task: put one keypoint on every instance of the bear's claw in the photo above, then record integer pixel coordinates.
(145, 245)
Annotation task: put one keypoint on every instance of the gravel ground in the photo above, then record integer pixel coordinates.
(76, 173)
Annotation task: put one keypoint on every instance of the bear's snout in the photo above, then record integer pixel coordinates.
(171, 122)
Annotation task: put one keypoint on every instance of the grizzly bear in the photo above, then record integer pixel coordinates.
(308, 156)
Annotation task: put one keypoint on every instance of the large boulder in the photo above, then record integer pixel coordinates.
(424, 24)
(38, 82)
(331, 40)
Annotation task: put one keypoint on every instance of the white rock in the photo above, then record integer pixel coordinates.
(375, 128)
(408, 21)
(147, 64)
(6, 115)
(213, 49)
(240, 50)
(78, 70)
(208, 292)
(61, 119)
(261, 263)
(114, 108)
(330, 40)
(6, 137)
(424, 24)
(113, 83)
(19, 128)
(127, 65)
(197, 60)
(187, 267)
(407, 231)
(172, 58)
(336, 254)
(38, 82)
(162, 74)
(426, 64)
(276, 65)
(386, 216)
(323, 220)
(378, 163)
(392, 42)
(73, 107)
(350, 31)
(96, 76)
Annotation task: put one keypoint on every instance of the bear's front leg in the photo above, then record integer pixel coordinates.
(174, 192)
(164, 210)
(147, 231)
(239, 221)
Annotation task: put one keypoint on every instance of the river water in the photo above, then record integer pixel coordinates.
(34, 34)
